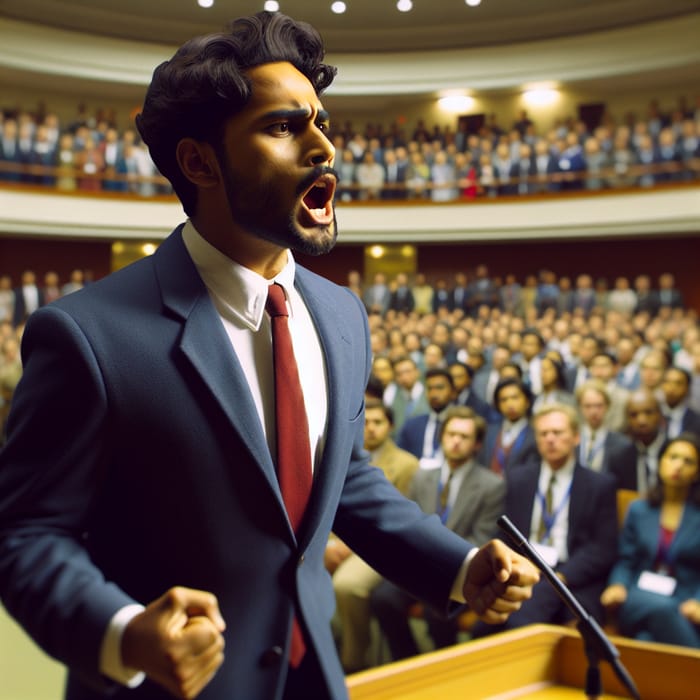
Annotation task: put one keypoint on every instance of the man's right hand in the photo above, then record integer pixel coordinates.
(177, 641)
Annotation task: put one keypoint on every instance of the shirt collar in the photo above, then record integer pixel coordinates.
(518, 426)
(654, 447)
(600, 434)
(564, 473)
(461, 469)
(240, 293)
(677, 411)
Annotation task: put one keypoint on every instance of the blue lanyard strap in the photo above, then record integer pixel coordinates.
(515, 446)
(550, 518)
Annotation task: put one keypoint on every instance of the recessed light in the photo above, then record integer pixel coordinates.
(271, 6)
(404, 5)
(338, 7)
(205, 3)
(473, 3)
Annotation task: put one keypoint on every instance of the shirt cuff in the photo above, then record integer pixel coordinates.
(457, 592)
(110, 653)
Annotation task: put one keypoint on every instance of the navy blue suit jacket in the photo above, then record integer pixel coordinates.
(619, 459)
(136, 461)
(592, 528)
(524, 450)
(412, 435)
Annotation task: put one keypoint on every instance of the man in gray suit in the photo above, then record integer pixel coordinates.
(468, 498)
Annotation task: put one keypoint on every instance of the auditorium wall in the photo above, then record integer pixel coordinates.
(600, 258)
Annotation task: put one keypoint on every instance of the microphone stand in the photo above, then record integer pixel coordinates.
(597, 645)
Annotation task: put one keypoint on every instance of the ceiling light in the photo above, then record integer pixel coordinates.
(473, 3)
(205, 3)
(404, 5)
(271, 5)
(338, 7)
(541, 96)
(457, 104)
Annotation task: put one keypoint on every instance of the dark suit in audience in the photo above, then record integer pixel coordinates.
(570, 513)
(615, 455)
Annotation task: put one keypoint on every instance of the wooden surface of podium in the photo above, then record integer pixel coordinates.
(541, 662)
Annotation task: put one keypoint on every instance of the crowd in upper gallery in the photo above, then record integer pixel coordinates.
(377, 162)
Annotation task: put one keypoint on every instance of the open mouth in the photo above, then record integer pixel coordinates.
(317, 201)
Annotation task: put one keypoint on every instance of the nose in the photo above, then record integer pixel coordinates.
(322, 150)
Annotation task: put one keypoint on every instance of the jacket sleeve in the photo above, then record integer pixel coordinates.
(50, 473)
(491, 505)
(593, 544)
(633, 556)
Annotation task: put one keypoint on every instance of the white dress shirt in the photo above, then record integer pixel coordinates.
(561, 493)
(592, 449)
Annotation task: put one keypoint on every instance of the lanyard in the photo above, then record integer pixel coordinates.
(515, 446)
(592, 452)
(550, 518)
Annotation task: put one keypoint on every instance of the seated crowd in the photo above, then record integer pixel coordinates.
(542, 409)
(539, 401)
(387, 163)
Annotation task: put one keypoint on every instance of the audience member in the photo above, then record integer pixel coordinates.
(678, 415)
(510, 442)
(653, 587)
(28, 297)
(553, 385)
(420, 435)
(645, 427)
(570, 513)
(462, 376)
(468, 499)
(406, 394)
(600, 448)
(604, 367)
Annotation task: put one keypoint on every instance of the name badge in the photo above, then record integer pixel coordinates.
(549, 554)
(656, 583)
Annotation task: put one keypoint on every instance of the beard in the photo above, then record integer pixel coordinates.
(259, 209)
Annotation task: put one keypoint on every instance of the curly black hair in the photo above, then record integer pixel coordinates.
(205, 83)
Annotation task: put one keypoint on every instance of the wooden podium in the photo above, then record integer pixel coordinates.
(541, 662)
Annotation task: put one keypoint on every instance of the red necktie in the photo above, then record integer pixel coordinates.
(293, 448)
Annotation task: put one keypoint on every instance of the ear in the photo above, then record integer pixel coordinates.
(198, 162)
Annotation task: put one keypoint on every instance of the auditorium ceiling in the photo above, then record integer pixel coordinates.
(366, 26)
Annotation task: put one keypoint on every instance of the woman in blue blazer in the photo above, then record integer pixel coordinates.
(656, 582)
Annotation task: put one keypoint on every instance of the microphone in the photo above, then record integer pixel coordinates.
(596, 642)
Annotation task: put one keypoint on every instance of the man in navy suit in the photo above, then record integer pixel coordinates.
(601, 449)
(680, 418)
(420, 435)
(510, 442)
(463, 376)
(569, 513)
(144, 540)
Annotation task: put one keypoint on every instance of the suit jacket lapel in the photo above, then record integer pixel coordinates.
(686, 536)
(427, 496)
(207, 348)
(467, 498)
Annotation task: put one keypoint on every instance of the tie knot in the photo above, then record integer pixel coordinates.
(276, 304)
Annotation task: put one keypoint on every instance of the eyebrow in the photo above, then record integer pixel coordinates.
(292, 114)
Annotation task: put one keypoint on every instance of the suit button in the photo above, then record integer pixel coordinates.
(271, 657)
(302, 558)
